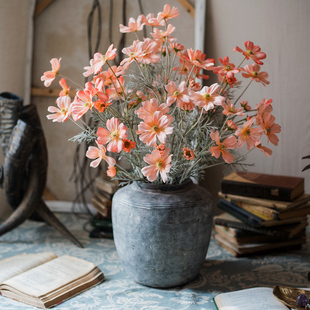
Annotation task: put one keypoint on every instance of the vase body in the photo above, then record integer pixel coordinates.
(162, 232)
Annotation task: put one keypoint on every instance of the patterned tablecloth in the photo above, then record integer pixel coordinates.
(221, 272)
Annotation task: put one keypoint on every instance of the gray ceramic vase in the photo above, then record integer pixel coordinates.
(162, 233)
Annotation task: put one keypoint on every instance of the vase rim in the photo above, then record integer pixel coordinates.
(164, 187)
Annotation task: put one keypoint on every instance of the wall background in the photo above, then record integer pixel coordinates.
(282, 29)
(279, 27)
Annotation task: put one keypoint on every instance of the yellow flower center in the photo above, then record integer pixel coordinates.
(155, 128)
(255, 73)
(114, 135)
(207, 96)
(228, 67)
(248, 132)
(249, 52)
(63, 110)
(159, 164)
(176, 93)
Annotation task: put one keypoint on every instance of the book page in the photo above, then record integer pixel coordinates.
(13, 266)
(50, 276)
(258, 298)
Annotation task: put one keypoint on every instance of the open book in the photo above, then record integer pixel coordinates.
(44, 280)
(257, 298)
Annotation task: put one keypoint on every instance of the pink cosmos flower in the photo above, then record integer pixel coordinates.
(61, 113)
(231, 125)
(114, 135)
(207, 97)
(99, 153)
(89, 69)
(161, 35)
(252, 71)
(176, 47)
(157, 164)
(168, 13)
(247, 134)
(83, 101)
(230, 109)
(149, 107)
(65, 89)
(133, 25)
(271, 128)
(156, 126)
(179, 94)
(198, 58)
(152, 20)
(149, 49)
(227, 67)
(133, 52)
(245, 105)
(263, 108)
(49, 76)
(264, 149)
(100, 60)
(252, 51)
(222, 147)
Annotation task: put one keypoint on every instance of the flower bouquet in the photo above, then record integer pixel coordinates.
(154, 111)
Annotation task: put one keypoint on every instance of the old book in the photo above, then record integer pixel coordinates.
(230, 234)
(252, 219)
(44, 280)
(239, 250)
(275, 204)
(240, 229)
(272, 214)
(256, 298)
(101, 207)
(267, 186)
(107, 186)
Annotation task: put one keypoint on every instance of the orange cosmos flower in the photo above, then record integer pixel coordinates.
(99, 153)
(128, 145)
(188, 153)
(114, 135)
(247, 134)
(227, 67)
(231, 125)
(252, 71)
(230, 109)
(157, 164)
(271, 128)
(49, 76)
(111, 172)
(252, 51)
(149, 107)
(156, 126)
(61, 113)
(264, 149)
(222, 147)
(198, 58)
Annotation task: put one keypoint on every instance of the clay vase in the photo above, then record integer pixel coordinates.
(162, 232)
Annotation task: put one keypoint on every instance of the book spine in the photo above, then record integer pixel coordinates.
(269, 232)
(241, 214)
(256, 190)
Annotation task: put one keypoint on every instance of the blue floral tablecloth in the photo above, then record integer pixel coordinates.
(221, 272)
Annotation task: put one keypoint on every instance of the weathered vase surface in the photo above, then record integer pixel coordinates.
(162, 233)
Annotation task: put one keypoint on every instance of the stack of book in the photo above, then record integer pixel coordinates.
(102, 202)
(262, 212)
